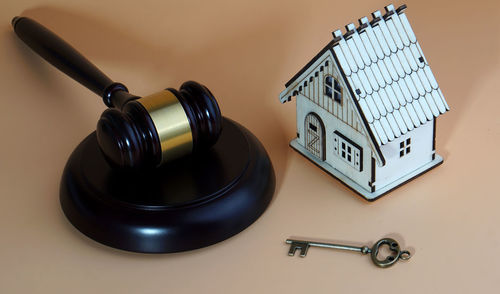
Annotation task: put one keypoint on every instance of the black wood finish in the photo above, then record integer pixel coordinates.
(203, 113)
(61, 55)
(128, 138)
(127, 135)
(190, 203)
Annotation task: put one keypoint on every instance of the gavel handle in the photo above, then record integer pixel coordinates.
(64, 57)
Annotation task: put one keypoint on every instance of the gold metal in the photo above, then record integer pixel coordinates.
(171, 123)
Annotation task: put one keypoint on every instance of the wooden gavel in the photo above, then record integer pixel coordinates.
(133, 132)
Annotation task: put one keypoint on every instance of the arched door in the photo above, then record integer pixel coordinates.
(315, 135)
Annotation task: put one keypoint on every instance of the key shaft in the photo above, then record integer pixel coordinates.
(304, 245)
(362, 249)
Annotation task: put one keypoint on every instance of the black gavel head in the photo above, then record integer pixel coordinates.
(155, 129)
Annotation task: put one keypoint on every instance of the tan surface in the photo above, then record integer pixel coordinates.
(245, 52)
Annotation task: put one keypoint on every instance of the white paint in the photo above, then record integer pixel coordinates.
(332, 124)
(398, 96)
(309, 72)
(420, 154)
(347, 151)
(354, 186)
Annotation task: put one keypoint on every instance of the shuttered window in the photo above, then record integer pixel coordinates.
(349, 151)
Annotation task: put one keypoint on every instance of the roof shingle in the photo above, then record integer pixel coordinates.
(391, 79)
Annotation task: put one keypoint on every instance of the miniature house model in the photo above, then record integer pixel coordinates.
(367, 106)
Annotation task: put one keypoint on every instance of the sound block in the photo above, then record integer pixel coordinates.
(190, 203)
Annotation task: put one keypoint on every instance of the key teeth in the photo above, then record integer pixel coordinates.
(294, 247)
(303, 251)
(292, 250)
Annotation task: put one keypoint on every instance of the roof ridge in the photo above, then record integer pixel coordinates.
(376, 17)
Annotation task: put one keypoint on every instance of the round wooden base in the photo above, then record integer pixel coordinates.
(193, 202)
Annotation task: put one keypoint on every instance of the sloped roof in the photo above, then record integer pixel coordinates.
(389, 74)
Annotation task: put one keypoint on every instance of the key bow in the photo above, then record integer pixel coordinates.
(391, 259)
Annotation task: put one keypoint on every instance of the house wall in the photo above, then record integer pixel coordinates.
(312, 85)
(420, 153)
(332, 124)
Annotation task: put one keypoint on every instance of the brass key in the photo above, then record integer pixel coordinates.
(304, 245)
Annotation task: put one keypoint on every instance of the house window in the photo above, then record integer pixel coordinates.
(332, 89)
(349, 151)
(404, 147)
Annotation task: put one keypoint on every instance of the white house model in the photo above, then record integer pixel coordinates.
(367, 106)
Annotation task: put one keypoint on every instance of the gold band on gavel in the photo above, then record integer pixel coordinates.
(171, 123)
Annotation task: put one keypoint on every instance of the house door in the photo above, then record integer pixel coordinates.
(315, 135)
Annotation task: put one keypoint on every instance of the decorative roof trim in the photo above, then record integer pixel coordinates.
(385, 70)
(297, 75)
(401, 9)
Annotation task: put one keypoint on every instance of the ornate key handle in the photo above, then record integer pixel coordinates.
(391, 259)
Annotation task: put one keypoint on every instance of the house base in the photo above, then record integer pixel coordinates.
(370, 196)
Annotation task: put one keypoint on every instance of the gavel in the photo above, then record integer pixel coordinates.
(133, 132)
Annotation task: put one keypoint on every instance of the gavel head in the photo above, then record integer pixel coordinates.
(155, 129)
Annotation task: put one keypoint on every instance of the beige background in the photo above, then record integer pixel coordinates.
(245, 52)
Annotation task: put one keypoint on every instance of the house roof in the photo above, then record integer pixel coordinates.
(388, 74)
